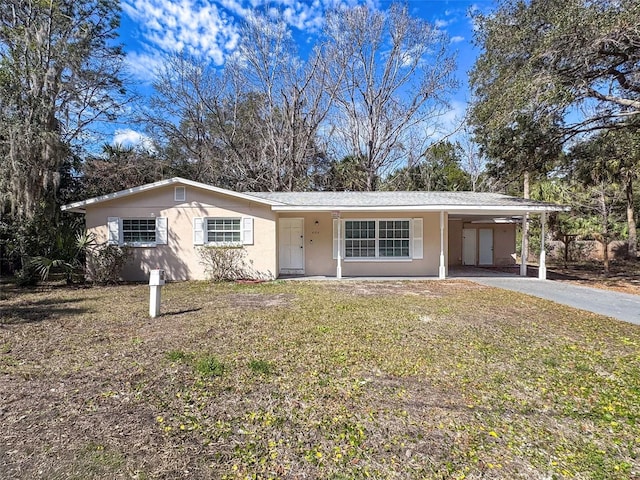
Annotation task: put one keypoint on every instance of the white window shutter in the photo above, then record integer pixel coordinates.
(417, 238)
(161, 230)
(198, 231)
(113, 225)
(247, 231)
(336, 242)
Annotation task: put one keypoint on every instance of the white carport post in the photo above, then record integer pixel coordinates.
(542, 269)
(336, 215)
(441, 269)
(523, 256)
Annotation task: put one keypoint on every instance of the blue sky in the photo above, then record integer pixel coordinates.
(152, 28)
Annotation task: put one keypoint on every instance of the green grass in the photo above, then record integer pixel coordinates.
(342, 380)
(209, 366)
(261, 367)
(178, 356)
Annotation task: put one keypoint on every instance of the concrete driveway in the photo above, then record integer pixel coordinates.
(622, 306)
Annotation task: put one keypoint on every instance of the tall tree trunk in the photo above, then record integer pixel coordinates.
(605, 230)
(632, 250)
(525, 186)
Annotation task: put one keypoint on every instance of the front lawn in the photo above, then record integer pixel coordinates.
(433, 379)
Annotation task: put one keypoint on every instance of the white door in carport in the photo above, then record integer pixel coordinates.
(291, 237)
(485, 246)
(469, 246)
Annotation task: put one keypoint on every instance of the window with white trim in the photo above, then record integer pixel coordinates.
(223, 230)
(377, 238)
(139, 230)
(393, 238)
(359, 238)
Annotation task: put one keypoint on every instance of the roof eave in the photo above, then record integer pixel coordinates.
(78, 207)
(422, 208)
(70, 209)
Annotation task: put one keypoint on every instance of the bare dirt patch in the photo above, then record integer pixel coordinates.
(623, 276)
(428, 288)
(257, 300)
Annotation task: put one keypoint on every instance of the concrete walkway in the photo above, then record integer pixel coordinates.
(622, 306)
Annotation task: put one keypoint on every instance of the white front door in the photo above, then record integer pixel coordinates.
(468, 246)
(485, 246)
(291, 240)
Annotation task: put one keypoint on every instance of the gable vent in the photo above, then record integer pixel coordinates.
(180, 194)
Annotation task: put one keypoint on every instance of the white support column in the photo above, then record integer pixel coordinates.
(542, 269)
(441, 269)
(523, 256)
(339, 266)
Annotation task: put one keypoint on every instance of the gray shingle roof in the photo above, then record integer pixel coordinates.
(400, 199)
(353, 201)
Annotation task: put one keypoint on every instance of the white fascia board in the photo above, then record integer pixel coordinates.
(506, 210)
(79, 207)
(451, 209)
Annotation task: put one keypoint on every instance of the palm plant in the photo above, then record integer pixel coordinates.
(71, 256)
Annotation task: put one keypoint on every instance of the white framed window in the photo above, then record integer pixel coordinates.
(359, 238)
(379, 239)
(393, 238)
(137, 232)
(223, 231)
(376, 238)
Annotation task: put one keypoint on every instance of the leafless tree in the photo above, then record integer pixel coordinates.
(398, 73)
(294, 98)
(179, 116)
(253, 125)
(473, 161)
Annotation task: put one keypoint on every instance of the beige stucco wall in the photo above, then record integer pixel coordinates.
(318, 247)
(455, 242)
(180, 256)
(504, 244)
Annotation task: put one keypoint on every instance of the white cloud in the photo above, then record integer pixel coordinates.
(143, 66)
(210, 28)
(131, 138)
(199, 27)
(474, 8)
(457, 39)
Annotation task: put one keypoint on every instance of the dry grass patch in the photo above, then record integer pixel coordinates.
(314, 380)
